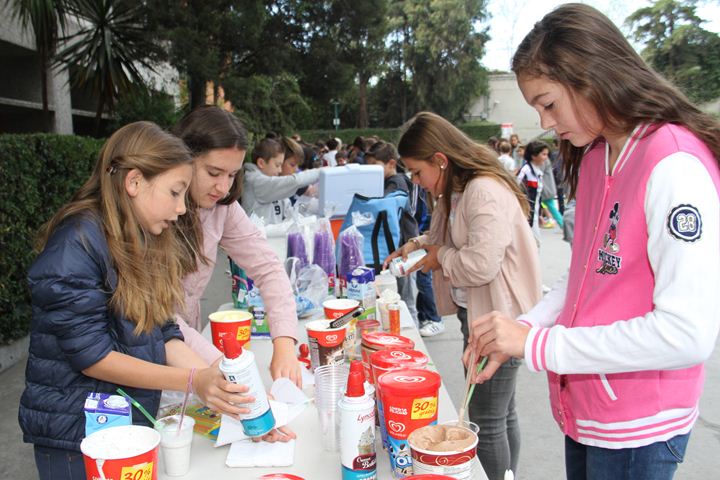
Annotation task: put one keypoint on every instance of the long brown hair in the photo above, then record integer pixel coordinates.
(580, 48)
(204, 129)
(426, 134)
(148, 266)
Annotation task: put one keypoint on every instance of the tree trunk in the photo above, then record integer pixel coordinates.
(44, 71)
(98, 116)
(362, 98)
(196, 87)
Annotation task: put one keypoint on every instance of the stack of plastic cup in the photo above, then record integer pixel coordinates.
(330, 382)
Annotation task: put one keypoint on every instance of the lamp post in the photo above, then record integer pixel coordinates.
(336, 120)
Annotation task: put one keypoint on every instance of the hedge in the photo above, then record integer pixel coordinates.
(478, 131)
(41, 172)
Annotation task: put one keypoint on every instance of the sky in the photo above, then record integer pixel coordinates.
(511, 20)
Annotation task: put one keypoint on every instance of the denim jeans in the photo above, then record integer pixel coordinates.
(657, 461)
(492, 408)
(59, 464)
(426, 311)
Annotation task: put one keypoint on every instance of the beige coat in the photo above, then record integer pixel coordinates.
(490, 252)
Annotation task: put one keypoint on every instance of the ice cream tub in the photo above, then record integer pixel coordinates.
(374, 341)
(118, 453)
(384, 361)
(236, 323)
(446, 449)
(409, 401)
(326, 344)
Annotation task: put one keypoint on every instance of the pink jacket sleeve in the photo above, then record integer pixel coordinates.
(247, 247)
(197, 343)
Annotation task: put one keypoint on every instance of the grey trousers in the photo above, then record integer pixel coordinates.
(492, 408)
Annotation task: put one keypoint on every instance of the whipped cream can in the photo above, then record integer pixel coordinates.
(357, 433)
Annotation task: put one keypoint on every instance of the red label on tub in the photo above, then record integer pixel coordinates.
(409, 400)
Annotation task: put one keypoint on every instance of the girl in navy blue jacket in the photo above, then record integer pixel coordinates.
(103, 287)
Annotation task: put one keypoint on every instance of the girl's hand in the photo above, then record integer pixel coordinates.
(428, 262)
(495, 333)
(219, 394)
(284, 362)
(282, 434)
(495, 361)
(403, 252)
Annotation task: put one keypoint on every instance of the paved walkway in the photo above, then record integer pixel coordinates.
(542, 443)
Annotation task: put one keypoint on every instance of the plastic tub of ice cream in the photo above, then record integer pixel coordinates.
(409, 401)
(446, 449)
(374, 341)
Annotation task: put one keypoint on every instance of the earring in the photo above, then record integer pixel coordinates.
(442, 167)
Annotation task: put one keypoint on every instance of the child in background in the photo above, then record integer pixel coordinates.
(530, 177)
(625, 334)
(294, 157)
(384, 154)
(104, 289)
(519, 156)
(265, 192)
(505, 159)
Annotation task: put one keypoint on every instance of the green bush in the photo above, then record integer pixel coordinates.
(480, 132)
(41, 173)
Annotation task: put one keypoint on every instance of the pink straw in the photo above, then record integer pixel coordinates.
(185, 401)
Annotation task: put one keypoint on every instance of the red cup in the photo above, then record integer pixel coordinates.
(230, 322)
(337, 307)
(128, 451)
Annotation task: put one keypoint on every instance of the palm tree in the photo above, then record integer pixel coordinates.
(47, 19)
(105, 52)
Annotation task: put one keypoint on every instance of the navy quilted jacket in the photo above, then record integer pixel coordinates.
(73, 328)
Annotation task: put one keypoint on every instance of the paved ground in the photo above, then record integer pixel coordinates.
(542, 443)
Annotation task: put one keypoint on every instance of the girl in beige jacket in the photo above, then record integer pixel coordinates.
(484, 256)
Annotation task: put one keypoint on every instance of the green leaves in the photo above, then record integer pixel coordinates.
(679, 48)
(42, 172)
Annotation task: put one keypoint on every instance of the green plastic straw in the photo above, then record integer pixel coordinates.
(480, 366)
(138, 406)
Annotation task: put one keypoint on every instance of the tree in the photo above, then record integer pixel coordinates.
(106, 51)
(678, 47)
(47, 19)
(441, 48)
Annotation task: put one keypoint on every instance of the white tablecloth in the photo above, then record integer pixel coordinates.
(311, 461)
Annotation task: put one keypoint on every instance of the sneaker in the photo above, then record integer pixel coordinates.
(430, 329)
(548, 224)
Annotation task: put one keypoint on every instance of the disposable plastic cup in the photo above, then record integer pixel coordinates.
(175, 447)
(330, 382)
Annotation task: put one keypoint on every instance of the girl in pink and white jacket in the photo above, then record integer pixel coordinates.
(624, 336)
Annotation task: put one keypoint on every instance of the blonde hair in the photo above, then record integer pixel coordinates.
(426, 134)
(149, 267)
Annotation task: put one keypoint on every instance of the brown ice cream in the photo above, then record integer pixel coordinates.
(441, 438)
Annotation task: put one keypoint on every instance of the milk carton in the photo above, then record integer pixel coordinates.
(103, 410)
(361, 287)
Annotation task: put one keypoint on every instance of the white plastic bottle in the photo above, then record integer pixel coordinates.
(357, 430)
(400, 267)
(239, 366)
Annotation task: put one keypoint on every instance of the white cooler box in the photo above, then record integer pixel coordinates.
(338, 185)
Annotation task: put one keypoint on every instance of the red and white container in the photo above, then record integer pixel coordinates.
(410, 401)
(117, 453)
(374, 341)
(461, 464)
(326, 344)
(384, 361)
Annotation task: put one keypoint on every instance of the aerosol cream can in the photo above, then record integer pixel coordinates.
(357, 430)
(239, 367)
